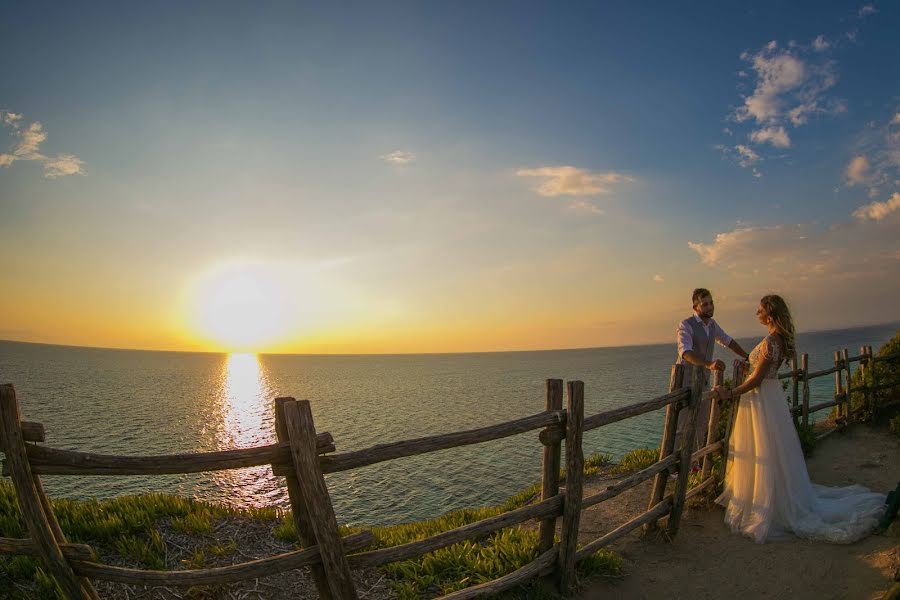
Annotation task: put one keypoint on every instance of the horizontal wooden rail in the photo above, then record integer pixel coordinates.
(789, 374)
(33, 432)
(547, 508)
(651, 515)
(714, 447)
(54, 461)
(217, 575)
(894, 356)
(883, 386)
(390, 451)
(27, 547)
(824, 405)
(700, 487)
(824, 372)
(532, 569)
(630, 482)
(625, 412)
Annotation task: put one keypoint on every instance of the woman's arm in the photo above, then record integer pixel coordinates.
(759, 373)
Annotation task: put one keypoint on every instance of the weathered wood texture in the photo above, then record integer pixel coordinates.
(712, 426)
(737, 377)
(837, 383)
(568, 544)
(804, 366)
(630, 481)
(33, 432)
(552, 455)
(848, 388)
(653, 514)
(667, 444)
(27, 547)
(53, 461)
(302, 436)
(374, 558)
(39, 529)
(795, 388)
(619, 414)
(218, 575)
(532, 569)
(382, 452)
(684, 468)
(700, 487)
(299, 510)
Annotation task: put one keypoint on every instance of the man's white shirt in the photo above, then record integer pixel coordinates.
(685, 334)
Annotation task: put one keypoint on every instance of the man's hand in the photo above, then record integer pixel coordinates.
(716, 365)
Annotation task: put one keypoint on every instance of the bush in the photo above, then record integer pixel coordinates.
(884, 372)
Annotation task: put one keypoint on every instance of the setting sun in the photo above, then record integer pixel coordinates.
(239, 306)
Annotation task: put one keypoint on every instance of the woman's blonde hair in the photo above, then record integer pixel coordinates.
(777, 309)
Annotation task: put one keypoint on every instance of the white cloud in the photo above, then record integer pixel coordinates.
(399, 157)
(747, 155)
(876, 211)
(896, 119)
(776, 136)
(585, 206)
(62, 165)
(867, 10)
(790, 85)
(572, 181)
(10, 118)
(733, 248)
(658, 278)
(27, 147)
(858, 171)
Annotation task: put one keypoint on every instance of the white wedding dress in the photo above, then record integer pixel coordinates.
(768, 494)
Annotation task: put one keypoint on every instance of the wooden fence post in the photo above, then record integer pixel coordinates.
(39, 529)
(667, 444)
(551, 463)
(568, 545)
(302, 436)
(874, 371)
(848, 388)
(804, 365)
(863, 375)
(713, 426)
(737, 378)
(795, 389)
(299, 510)
(686, 451)
(838, 387)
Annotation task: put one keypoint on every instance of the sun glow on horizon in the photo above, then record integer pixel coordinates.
(240, 307)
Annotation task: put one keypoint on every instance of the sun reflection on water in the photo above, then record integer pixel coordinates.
(247, 420)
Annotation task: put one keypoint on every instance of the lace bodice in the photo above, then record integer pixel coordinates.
(767, 348)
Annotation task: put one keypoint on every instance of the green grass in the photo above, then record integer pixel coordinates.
(125, 526)
(636, 460)
(128, 527)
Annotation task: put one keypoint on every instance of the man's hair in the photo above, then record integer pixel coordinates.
(698, 295)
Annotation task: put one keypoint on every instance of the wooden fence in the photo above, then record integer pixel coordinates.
(299, 456)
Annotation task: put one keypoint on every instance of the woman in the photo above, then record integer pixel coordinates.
(768, 493)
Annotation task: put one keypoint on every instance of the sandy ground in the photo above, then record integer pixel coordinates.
(707, 561)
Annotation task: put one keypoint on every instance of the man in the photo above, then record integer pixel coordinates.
(696, 343)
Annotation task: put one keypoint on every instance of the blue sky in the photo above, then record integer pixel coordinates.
(445, 176)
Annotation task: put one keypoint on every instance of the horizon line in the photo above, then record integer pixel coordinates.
(660, 343)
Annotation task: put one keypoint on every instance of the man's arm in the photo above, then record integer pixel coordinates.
(692, 357)
(736, 348)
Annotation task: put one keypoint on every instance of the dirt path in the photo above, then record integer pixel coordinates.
(707, 561)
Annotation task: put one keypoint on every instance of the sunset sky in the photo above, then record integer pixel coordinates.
(442, 176)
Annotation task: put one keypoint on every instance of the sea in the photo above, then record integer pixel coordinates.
(134, 402)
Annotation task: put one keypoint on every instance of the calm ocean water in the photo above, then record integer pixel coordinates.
(140, 402)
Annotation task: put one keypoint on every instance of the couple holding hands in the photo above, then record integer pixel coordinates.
(768, 494)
